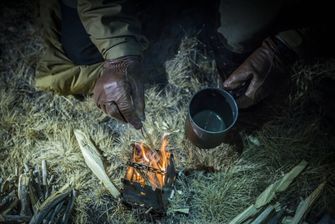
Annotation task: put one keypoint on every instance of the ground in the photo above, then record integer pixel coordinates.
(216, 184)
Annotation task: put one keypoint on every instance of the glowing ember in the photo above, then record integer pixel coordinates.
(155, 161)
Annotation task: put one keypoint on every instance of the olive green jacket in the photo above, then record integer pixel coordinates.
(114, 34)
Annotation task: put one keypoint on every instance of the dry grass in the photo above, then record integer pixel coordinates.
(37, 125)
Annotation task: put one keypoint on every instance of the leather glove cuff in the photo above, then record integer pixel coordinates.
(283, 53)
(121, 64)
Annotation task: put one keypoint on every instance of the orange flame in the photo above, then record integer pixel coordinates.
(159, 160)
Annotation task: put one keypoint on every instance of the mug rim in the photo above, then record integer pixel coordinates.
(219, 90)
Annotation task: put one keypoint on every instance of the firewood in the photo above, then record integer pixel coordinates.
(4, 186)
(51, 180)
(147, 211)
(45, 179)
(23, 193)
(94, 162)
(44, 172)
(305, 205)
(69, 208)
(49, 204)
(37, 183)
(264, 216)
(12, 205)
(14, 218)
(26, 168)
(6, 200)
(56, 212)
(180, 210)
(33, 197)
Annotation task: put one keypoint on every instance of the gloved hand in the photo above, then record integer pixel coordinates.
(119, 91)
(261, 71)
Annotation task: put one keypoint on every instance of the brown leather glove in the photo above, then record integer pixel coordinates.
(258, 74)
(119, 91)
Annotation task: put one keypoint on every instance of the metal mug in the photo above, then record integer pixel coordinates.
(212, 113)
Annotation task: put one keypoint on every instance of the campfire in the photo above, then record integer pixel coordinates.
(150, 176)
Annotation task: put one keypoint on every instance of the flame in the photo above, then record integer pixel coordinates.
(157, 159)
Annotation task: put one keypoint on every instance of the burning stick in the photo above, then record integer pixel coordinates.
(94, 161)
(150, 176)
(149, 165)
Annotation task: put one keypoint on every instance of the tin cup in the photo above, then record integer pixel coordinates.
(212, 113)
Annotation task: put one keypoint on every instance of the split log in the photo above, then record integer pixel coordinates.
(23, 193)
(94, 161)
(264, 216)
(305, 205)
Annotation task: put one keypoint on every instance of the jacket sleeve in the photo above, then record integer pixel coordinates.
(113, 32)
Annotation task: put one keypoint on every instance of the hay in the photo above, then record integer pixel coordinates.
(38, 126)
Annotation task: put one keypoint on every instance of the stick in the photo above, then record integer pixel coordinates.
(94, 162)
(33, 198)
(50, 203)
(4, 186)
(14, 218)
(305, 205)
(69, 208)
(37, 183)
(45, 178)
(7, 199)
(23, 189)
(56, 212)
(11, 206)
(263, 217)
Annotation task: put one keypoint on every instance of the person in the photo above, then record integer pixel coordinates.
(93, 46)
(96, 46)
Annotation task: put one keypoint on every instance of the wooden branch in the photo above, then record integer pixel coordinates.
(69, 208)
(33, 197)
(264, 216)
(44, 173)
(4, 186)
(23, 194)
(37, 184)
(305, 205)
(50, 203)
(10, 207)
(6, 200)
(55, 212)
(45, 179)
(94, 162)
(14, 218)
